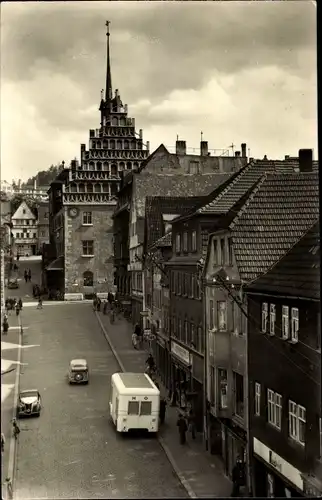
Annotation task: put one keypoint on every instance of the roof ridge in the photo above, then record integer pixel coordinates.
(249, 199)
(230, 185)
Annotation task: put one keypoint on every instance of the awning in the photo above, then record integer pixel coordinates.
(56, 265)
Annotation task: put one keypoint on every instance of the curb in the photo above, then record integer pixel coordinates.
(165, 448)
(13, 442)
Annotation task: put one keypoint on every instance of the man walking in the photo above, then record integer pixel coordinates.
(192, 423)
(182, 426)
(163, 405)
(29, 275)
(238, 477)
(39, 303)
(26, 275)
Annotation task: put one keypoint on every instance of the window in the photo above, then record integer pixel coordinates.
(285, 322)
(87, 218)
(194, 241)
(264, 316)
(34, 235)
(133, 408)
(186, 331)
(222, 315)
(238, 394)
(88, 278)
(297, 421)
(272, 319)
(222, 251)
(211, 314)
(185, 241)
(193, 335)
(178, 242)
(200, 340)
(28, 222)
(88, 247)
(294, 324)
(222, 389)
(215, 247)
(179, 289)
(230, 252)
(146, 407)
(180, 329)
(274, 408)
(46, 215)
(257, 398)
(23, 210)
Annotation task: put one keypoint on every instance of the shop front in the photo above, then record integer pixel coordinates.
(273, 476)
(181, 378)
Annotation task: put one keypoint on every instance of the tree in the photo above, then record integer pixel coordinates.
(44, 177)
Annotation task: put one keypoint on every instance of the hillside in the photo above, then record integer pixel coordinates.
(45, 177)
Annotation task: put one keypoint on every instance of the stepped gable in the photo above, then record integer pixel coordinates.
(279, 211)
(297, 273)
(174, 185)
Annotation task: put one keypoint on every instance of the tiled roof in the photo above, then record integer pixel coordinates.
(243, 182)
(155, 207)
(174, 185)
(298, 272)
(279, 211)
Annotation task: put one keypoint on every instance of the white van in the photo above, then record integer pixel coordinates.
(134, 402)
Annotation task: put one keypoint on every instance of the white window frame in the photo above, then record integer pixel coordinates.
(83, 248)
(257, 399)
(296, 414)
(178, 243)
(194, 241)
(274, 409)
(264, 317)
(87, 216)
(285, 322)
(220, 328)
(272, 319)
(294, 325)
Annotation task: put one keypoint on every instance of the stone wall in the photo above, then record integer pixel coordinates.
(101, 265)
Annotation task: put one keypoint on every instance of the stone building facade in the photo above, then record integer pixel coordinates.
(81, 220)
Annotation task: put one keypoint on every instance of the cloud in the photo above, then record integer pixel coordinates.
(226, 67)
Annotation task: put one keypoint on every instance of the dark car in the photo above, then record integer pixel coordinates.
(13, 284)
(78, 371)
(29, 403)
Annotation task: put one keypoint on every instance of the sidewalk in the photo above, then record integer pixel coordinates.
(9, 358)
(200, 473)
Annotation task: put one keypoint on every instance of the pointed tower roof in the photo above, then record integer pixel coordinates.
(108, 86)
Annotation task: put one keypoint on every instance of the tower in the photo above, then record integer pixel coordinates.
(92, 186)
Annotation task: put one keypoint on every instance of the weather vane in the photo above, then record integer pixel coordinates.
(107, 24)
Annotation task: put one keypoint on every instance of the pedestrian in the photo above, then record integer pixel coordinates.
(20, 304)
(39, 303)
(163, 406)
(17, 309)
(29, 275)
(192, 423)
(238, 477)
(105, 306)
(3, 442)
(150, 362)
(99, 302)
(18, 257)
(16, 429)
(134, 340)
(138, 332)
(182, 425)
(5, 323)
(94, 303)
(110, 298)
(26, 275)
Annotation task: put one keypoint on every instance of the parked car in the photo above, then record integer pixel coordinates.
(13, 283)
(29, 403)
(78, 371)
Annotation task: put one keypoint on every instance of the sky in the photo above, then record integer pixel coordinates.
(237, 71)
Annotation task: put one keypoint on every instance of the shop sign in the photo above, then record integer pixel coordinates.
(180, 352)
(274, 461)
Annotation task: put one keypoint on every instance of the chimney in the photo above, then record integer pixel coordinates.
(265, 157)
(243, 150)
(306, 160)
(203, 148)
(181, 147)
(141, 133)
(35, 184)
(92, 133)
(237, 154)
(148, 145)
(287, 157)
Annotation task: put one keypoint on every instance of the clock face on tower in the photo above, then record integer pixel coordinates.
(73, 212)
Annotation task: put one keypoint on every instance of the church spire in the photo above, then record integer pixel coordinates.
(108, 87)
